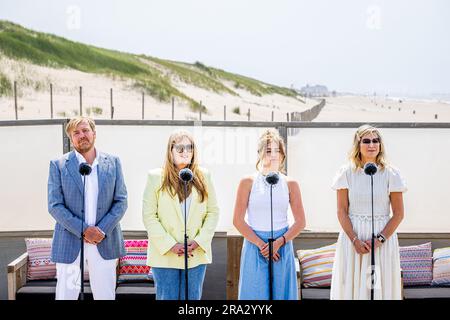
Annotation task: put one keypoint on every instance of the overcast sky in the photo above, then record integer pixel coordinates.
(393, 46)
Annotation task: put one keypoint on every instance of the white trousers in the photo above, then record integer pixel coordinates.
(102, 276)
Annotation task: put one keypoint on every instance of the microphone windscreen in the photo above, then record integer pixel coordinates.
(186, 175)
(272, 178)
(85, 169)
(370, 168)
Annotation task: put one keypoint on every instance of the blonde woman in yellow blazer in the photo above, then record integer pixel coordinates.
(163, 217)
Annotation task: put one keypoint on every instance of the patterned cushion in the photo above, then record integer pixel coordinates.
(133, 266)
(416, 263)
(316, 265)
(441, 267)
(40, 267)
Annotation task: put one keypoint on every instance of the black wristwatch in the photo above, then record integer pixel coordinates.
(381, 238)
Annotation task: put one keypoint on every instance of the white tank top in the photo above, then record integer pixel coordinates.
(258, 210)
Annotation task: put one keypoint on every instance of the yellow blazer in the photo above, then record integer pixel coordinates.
(164, 221)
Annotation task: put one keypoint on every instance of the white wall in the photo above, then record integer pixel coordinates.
(421, 155)
(25, 156)
(229, 153)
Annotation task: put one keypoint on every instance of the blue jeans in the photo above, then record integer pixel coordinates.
(170, 283)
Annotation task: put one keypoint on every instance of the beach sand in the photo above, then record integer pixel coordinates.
(34, 100)
(366, 109)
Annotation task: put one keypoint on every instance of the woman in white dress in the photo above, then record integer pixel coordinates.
(351, 277)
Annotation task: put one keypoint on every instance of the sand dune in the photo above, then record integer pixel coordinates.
(127, 101)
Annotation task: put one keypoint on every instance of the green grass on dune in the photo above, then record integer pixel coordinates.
(165, 93)
(44, 49)
(189, 74)
(5, 86)
(256, 87)
(48, 50)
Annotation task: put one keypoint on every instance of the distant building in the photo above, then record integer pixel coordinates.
(314, 91)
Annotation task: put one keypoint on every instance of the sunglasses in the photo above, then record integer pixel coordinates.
(181, 147)
(368, 141)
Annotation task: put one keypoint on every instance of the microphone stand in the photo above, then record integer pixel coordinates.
(186, 287)
(271, 240)
(371, 169)
(82, 242)
(186, 176)
(372, 258)
(272, 178)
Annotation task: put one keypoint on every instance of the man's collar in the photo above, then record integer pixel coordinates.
(81, 158)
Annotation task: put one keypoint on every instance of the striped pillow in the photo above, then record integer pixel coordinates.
(40, 266)
(417, 264)
(441, 267)
(133, 266)
(316, 265)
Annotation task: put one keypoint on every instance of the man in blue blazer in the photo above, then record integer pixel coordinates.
(105, 205)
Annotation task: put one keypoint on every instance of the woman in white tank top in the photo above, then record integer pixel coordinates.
(253, 198)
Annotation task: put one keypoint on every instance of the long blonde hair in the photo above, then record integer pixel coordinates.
(267, 137)
(171, 181)
(355, 153)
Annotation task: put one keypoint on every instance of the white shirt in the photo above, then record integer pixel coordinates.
(188, 205)
(91, 190)
(258, 209)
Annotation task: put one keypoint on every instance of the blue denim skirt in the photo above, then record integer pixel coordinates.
(254, 272)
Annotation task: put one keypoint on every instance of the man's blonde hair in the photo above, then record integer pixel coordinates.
(74, 122)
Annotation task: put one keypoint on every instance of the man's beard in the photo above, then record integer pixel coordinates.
(83, 147)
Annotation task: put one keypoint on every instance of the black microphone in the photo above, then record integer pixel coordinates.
(85, 169)
(370, 169)
(272, 178)
(186, 175)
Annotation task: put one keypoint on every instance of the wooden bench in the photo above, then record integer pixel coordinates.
(21, 289)
(311, 240)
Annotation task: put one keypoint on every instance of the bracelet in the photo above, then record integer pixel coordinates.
(284, 240)
(354, 238)
(381, 238)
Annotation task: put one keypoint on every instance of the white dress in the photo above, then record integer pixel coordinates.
(351, 271)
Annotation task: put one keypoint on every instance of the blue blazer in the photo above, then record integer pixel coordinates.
(65, 204)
